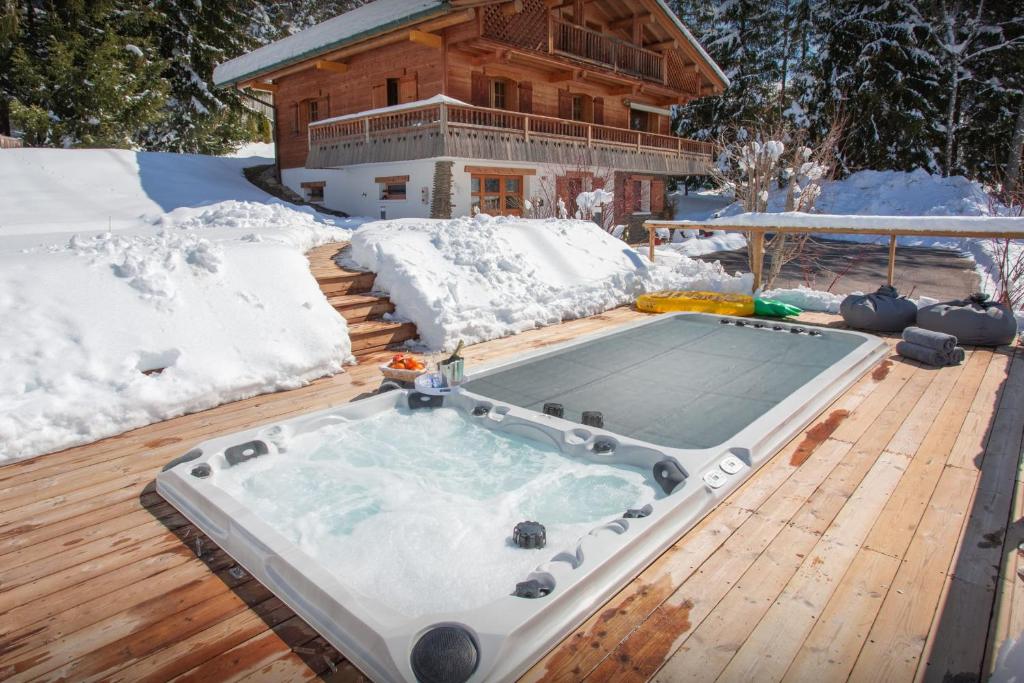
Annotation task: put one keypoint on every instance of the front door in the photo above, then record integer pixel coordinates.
(497, 195)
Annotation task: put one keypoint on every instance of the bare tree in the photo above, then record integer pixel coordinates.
(751, 165)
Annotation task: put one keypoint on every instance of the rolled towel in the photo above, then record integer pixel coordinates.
(930, 339)
(928, 356)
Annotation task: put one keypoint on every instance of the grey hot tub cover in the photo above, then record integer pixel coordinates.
(883, 311)
(975, 321)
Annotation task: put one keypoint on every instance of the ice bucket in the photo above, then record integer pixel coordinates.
(452, 372)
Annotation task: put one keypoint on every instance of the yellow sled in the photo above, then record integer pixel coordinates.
(669, 301)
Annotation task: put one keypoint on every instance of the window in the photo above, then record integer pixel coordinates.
(499, 94)
(582, 108)
(314, 191)
(392, 188)
(497, 194)
(306, 112)
(392, 86)
(641, 196)
(639, 120)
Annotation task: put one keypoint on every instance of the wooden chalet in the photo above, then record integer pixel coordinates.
(414, 108)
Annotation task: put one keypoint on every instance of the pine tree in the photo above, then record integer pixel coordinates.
(742, 37)
(193, 38)
(873, 67)
(84, 73)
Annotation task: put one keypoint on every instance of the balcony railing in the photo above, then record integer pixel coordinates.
(446, 118)
(537, 29)
(584, 43)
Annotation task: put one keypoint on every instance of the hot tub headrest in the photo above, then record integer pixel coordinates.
(668, 474)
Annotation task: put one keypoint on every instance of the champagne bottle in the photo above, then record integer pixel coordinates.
(456, 355)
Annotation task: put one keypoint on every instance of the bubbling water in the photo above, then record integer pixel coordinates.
(415, 509)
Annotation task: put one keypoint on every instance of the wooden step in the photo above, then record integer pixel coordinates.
(374, 335)
(357, 308)
(346, 282)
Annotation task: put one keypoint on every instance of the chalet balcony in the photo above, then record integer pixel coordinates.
(537, 29)
(445, 129)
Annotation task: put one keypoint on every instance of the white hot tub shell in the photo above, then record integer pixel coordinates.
(497, 641)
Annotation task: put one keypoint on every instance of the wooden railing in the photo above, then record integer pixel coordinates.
(9, 142)
(445, 117)
(582, 42)
(535, 27)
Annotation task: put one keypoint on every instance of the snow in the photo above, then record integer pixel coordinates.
(263, 150)
(481, 278)
(373, 17)
(202, 279)
(436, 99)
(699, 246)
(697, 206)
(923, 225)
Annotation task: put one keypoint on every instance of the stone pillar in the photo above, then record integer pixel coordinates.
(441, 199)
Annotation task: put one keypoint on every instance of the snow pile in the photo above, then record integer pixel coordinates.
(482, 278)
(806, 298)
(109, 331)
(687, 243)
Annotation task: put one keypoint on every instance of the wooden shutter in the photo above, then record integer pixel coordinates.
(526, 97)
(478, 95)
(407, 91)
(599, 111)
(380, 95)
(564, 104)
(657, 197)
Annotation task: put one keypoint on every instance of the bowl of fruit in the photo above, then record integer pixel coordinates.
(403, 368)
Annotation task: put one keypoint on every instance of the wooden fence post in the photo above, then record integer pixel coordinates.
(757, 258)
(650, 241)
(892, 259)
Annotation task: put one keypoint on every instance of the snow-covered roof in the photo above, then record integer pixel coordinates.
(436, 99)
(924, 225)
(379, 16)
(376, 17)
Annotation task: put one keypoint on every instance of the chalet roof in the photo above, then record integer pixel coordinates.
(374, 18)
(379, 16)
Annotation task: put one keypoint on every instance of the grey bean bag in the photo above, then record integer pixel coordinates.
(974, 322)
(883, 311)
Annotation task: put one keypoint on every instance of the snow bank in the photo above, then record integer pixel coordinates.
(691, 245)
(177, 312)
(255, 150)
(69, 191)
(482, 278)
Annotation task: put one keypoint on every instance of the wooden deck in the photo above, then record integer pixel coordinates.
(877, 545)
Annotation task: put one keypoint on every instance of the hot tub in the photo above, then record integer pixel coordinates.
(387, 524)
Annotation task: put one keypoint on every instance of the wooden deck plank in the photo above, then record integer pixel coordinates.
(837, 636)
(811, 508)
(736, 619)
(973, 576)
(127, 599)
(638, 601)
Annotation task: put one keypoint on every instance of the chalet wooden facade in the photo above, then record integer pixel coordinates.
(438, 108)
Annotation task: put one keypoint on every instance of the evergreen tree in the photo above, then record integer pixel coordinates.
(193, 37)
(873, 68)
(84, 73)
(742, 36)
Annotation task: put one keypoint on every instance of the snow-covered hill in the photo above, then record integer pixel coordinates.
(200, 295)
